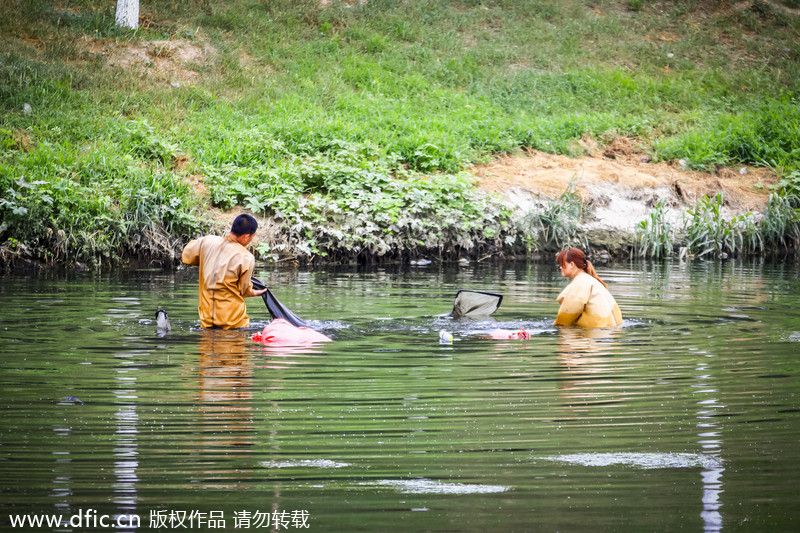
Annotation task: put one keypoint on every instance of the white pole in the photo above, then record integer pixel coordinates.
(128, 13)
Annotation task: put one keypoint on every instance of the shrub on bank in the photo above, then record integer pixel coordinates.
(706, 232)
(60, 206)
(351, 203)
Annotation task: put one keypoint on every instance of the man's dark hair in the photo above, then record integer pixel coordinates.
(244, 224)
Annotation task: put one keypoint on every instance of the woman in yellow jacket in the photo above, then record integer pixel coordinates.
(585, 301)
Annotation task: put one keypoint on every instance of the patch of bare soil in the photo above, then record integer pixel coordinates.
(619, 185)
(173, 61)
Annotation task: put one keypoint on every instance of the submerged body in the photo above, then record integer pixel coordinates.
(586, 302)
(225, 271)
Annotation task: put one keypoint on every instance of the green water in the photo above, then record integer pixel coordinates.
(685, 419)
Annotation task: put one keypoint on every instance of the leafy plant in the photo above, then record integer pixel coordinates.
(94, 209)
(553, 224)
(351, 203)
(653, 237)
(708, 231)
(143, 141)
(780, 224)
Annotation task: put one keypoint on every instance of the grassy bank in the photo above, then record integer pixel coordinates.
(350, 124)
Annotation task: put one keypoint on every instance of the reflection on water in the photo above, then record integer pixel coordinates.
(690, 404)
(644, 460)
(306, 463)
(427, 486)
(708, 409)
(224, 385)
(225, 403)
(125, 444)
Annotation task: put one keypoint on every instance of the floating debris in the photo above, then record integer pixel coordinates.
(70, 400)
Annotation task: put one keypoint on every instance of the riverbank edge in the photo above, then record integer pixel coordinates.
(605, 245)
(615, 196)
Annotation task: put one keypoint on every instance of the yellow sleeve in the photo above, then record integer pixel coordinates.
(191, 253)
(245, 278)
(573, 301)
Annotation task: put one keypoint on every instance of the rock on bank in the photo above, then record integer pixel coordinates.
(619, 187)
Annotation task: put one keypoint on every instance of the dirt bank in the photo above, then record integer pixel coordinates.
(619, 186)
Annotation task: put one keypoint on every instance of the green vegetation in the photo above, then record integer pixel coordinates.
(767, 136)
(348, 203)
(553, 224)
(780, 225)
(96, 206)
(654, 236)
(707, 232)
(350, 123)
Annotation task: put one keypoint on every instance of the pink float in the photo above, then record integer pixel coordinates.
(281, 333)
(508, 334)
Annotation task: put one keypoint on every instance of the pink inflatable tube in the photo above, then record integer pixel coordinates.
(281, 332)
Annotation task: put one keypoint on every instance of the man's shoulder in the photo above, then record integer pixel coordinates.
(246, 254)
(241, 253)
(210, 239)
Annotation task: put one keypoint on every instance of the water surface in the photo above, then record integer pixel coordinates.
(684, 419)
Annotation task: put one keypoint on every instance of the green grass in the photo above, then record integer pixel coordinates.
(428, 87)
(96, 207)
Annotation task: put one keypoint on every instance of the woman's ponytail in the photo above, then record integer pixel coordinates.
(576, 255)
(592, 272)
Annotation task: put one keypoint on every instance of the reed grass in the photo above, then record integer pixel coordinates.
(553, 224)
(780, 223)
(708, 232)
(654, 236)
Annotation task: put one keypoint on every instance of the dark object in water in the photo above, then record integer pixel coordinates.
(162, 322)
(71, 399)
(276, 308)
(472, 304)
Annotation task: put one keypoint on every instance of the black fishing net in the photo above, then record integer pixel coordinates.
(276, 308)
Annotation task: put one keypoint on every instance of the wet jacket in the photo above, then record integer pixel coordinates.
(586, 302)
(225, 271)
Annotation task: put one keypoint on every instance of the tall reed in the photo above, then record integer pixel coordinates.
(552, 224)
(653, 237)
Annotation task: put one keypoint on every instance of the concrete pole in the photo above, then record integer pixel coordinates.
(128, 14)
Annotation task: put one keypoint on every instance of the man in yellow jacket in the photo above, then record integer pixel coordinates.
(226, 268)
